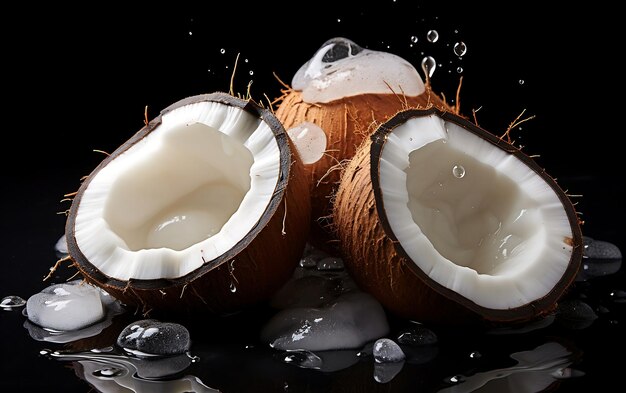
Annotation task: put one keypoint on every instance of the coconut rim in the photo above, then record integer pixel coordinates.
(285, 156)
(528, 310)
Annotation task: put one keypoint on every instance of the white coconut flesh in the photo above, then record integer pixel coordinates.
(474, 218)
(186, 193)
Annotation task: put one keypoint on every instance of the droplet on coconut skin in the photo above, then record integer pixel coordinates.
(310, 141)
(341, 68)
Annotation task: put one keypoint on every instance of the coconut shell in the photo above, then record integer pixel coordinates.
(346, 123)
(248, 273)
(379, 264)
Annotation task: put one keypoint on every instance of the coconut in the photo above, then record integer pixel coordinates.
(444, 222)
(206, 207)
(336, 100)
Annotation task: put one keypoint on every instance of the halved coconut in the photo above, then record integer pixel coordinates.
(440, 219)
(337, 99)
(205, 207)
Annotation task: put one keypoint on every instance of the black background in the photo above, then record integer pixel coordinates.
(77, 79)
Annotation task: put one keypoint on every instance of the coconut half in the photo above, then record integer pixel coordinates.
(337, 99)
(205, 207)
(439, 219)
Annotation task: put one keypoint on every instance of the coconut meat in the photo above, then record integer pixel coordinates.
(183, 195)
(340, 68)
(474, 218)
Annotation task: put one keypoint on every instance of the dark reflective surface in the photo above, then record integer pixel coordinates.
(81, 82)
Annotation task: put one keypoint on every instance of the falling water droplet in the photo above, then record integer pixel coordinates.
(233, 287)
(338, 20)
(459, 70)
(245, 60)
(222, 51)
(429, 65)
(460, 48)
(413, 39)
(475, 355)
(191, 33)
(251, 72)
(44, 352)
(458, 171)
(432, 36)
(10, 302)
(521, 81)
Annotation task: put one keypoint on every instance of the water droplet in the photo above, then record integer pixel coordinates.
(308, 261)
(330, 263)
(10, 302)
(233, 287)
(286, 387)
(455, 379)
(338, 20)
(44, 352)
(387, 351)
(251, 72)
(456, 32)
(428, 66)
(302, 358)
(458, 171)
(460, 48)
(475, 355)
(245, 60)
(194, 359)
(459, 70)
(109, 372)
(190, 33)
(521, 81)
(432, 36)
(222, 51)
(413, 39)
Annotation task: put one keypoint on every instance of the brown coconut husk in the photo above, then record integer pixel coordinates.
(346, 123)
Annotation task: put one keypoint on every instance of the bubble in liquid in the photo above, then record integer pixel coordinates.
(432, 36)
(428, 66)
(458, 171)
(459, 70)
(10, 302)
(413, 39)
(460, 48)
(222, 51)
